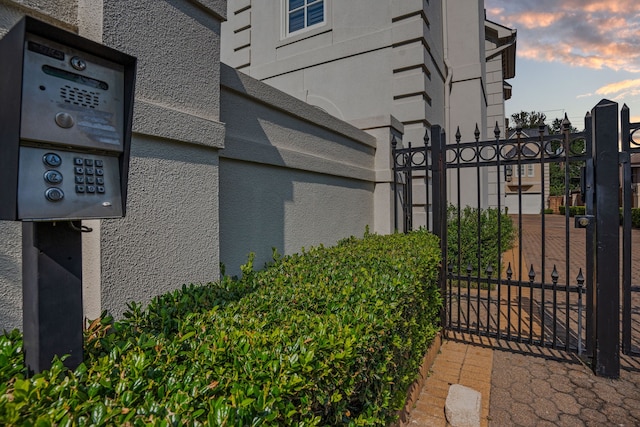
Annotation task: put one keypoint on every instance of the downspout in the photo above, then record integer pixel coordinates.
(447, 81)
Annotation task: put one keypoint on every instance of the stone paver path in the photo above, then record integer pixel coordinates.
(532, 386)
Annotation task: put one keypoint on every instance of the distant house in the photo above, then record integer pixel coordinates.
(635, 179)
(524, 183)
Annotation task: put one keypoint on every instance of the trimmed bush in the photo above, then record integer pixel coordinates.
(573, 210)
(487, 235)
(330, 336)
(548, 211)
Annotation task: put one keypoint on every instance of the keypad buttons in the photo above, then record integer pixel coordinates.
(89, 175)
(52, 159)
(54, 194)
(53, 177)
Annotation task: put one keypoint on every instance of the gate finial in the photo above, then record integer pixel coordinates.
(566, 124)
(476, 133)
(496, 131)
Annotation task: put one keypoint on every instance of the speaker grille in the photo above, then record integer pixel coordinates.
(80, 97)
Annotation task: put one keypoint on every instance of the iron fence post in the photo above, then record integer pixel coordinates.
(626, 229)
(606, 356)
(590, 235)
(438, 172)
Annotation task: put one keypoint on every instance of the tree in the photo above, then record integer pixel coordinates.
(526, 120)
(533, 119)
(557, 170)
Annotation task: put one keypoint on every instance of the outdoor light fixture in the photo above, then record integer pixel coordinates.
(508, 173)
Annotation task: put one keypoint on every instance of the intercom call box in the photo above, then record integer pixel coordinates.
(66, 125)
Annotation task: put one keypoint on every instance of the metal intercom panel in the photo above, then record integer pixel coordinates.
(68, 142)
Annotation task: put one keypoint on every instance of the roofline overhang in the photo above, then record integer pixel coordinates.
(506, 46)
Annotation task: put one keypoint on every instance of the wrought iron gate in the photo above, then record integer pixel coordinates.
(549, 285)
(630, 150)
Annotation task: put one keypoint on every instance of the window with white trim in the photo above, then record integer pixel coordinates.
(304, 14)
(525, 170)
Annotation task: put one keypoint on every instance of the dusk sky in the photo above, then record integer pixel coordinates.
(571, 54)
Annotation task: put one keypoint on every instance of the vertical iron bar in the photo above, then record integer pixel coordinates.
(409, 191)
(394, 144)
(580, 280)
(489, 274)
(544, 175)
(566, 131)
(496, 133)
(438, 166)
(469, 270)
(459, 215)
(626, 230)
(426, 182)
(520, 258)
(478, 228)
(532, 276)
(554, 280)
(590, 233)
(509, 275)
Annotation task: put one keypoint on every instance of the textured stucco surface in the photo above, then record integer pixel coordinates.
(264, 207)
(63, 13)
(10, 275)
(178, 51)
(170, 234)
(291, 175)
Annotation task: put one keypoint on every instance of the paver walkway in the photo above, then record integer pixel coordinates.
(533, 386)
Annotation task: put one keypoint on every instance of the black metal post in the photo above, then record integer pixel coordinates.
(52, 294)
(626, 229)
(590, 234)
(438, 172)
(606, 357)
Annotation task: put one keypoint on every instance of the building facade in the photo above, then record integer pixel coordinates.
(400, 65)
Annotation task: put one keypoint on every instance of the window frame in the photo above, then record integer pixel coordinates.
(305, 6)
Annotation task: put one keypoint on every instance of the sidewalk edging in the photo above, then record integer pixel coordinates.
(413, 394)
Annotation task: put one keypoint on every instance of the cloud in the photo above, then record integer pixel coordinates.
(584, 95)
(619, 91)
(587, 33)
(623, 86)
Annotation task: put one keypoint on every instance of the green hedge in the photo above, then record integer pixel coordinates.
(573, 210)
(635, 217)
(330, 336)
(467, 249)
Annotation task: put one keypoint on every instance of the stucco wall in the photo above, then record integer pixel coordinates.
(291, 175)
(170, 234)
